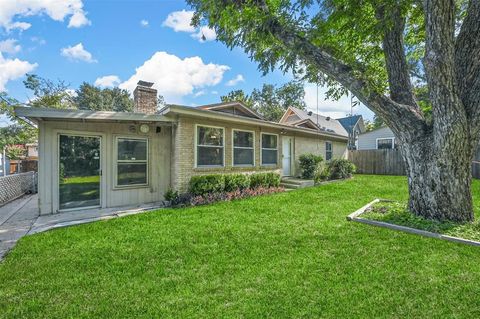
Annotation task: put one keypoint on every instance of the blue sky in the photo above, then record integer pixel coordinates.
(119, 42)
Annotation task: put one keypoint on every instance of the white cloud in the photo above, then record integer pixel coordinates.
(144, 23)
(12, 69)
(239, 78)
(334, 109)
(77, 53)
(205, 34)
(57, 10)
(78, 20)
(180, 21)
(214, 92)
(10, 46)
(174, 77)
(107, 81)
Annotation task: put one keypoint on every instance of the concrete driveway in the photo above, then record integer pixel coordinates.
(16, 220)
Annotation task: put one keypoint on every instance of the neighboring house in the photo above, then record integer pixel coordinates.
(32, 151)
(104, 159)
(324, 124)
(380, 138)
(355, 126)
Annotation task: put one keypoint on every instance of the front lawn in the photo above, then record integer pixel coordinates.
(288, 255)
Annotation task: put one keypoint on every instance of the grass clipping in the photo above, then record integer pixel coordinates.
(398, 214)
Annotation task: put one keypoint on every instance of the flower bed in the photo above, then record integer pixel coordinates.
(207, 189)
(237, 194)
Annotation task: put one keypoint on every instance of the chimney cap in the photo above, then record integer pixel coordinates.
(145, 84)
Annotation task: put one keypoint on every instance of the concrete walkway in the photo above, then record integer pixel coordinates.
(20, 218)
(16, 220)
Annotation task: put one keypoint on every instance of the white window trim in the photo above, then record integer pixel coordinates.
(385, 138)
(242, 147)
(331, 150)
(271, 149)
(115, 173)
(195, 145)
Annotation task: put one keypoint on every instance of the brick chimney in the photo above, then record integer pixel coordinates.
(145, 98)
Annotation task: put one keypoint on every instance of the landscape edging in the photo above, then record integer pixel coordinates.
(355, 218)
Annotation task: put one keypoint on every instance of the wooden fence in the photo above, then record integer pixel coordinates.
(390, 162)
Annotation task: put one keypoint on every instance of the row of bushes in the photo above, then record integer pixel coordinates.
(206, 189)
(218, 183)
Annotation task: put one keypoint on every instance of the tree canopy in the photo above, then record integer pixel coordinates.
(271, 101)
(57, 94)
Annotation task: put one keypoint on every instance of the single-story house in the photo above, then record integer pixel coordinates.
(355, 126)
(99, 159)
(380, 138)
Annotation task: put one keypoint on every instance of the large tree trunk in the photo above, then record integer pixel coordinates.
(439, 179)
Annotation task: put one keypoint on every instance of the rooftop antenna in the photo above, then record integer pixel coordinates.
(317, 104)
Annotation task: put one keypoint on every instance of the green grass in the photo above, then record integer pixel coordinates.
(397, 213)
(288, 255)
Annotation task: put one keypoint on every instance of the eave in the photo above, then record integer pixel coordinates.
(213, 115)
(39, 114)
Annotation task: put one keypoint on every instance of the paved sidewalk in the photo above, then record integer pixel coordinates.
(16, 220)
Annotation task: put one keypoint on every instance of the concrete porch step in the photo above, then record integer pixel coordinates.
(294, 183)
(289, 186)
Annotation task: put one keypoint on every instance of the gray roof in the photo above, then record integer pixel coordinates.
(324, 122)
(349, 122)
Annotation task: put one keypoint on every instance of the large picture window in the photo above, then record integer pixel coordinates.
(209, 146)
(385, 143)
(243, 148)
(132, 161)
(328, 151)
(269, 149)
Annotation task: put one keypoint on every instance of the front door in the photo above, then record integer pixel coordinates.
(79, 171)
(287, 147)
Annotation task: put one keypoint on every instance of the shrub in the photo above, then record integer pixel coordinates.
(340, 168)
(205, 184)
(171, 195)
(264, 180)
(308, 165)
(236, 181)
(321, 172)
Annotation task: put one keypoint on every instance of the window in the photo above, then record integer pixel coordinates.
(328, 151)
(243, 148)
(209, 145)
(132, 161)
(385, 143)
(269, 149)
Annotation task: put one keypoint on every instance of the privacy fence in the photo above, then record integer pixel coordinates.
(390, 162)
(13, 186)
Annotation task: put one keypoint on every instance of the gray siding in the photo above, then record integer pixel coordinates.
(158, 161)
(368, 141)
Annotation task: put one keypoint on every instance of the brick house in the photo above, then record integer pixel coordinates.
(102, 159)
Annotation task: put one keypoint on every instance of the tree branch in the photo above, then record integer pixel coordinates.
(411, 119)
(467, 64)
(396, 62)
